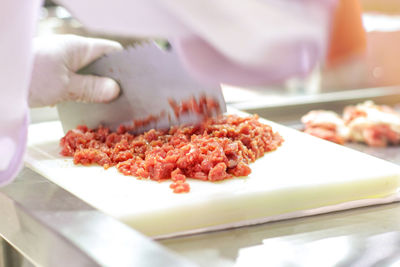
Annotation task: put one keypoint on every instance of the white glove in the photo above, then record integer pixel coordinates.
(57, 58)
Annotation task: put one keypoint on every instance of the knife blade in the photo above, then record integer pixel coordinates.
(156, 92)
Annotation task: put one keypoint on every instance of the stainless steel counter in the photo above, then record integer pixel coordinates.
(317, 236)
(50, 227)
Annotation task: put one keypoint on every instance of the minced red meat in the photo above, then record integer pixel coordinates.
(217, 149)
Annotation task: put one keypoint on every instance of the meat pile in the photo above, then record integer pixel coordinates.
(375, 125)
(217, 149)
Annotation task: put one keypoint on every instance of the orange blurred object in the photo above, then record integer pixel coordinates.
(348, 36)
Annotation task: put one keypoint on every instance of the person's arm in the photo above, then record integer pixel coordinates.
(239, 42)
(17, 26)
(41, 72)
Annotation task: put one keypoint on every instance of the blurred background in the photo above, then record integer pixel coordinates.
(372, 73)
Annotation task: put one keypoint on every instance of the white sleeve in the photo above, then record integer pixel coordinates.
(17, 25)
(236, 41)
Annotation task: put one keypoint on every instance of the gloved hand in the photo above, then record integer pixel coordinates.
(56, 60)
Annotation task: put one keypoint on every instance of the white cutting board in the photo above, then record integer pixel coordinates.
(304, 173)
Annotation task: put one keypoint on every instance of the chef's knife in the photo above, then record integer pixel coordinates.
(157, 92)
